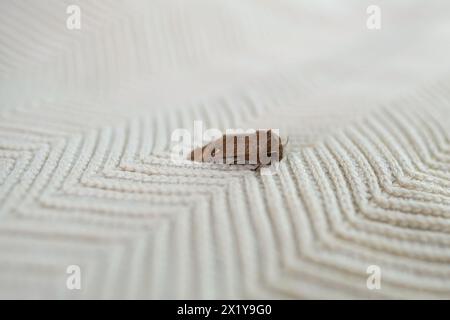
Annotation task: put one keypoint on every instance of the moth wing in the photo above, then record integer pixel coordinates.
(213, 151)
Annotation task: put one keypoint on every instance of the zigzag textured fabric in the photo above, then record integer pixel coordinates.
(86, 178)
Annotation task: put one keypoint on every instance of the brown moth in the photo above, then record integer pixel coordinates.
(260, 148)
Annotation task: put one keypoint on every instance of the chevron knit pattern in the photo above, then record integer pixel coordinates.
(86, 179)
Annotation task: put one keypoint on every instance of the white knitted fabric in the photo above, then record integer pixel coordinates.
(86, 179)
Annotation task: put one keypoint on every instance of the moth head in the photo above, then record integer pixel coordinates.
(213, 152)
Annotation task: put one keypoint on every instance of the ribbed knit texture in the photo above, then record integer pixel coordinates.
(86, 179)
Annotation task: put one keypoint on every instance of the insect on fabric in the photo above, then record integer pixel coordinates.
(260, 148)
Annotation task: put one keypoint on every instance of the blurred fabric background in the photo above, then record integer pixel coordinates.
(86, 179)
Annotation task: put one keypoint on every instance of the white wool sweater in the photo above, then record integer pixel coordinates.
(86, 178)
